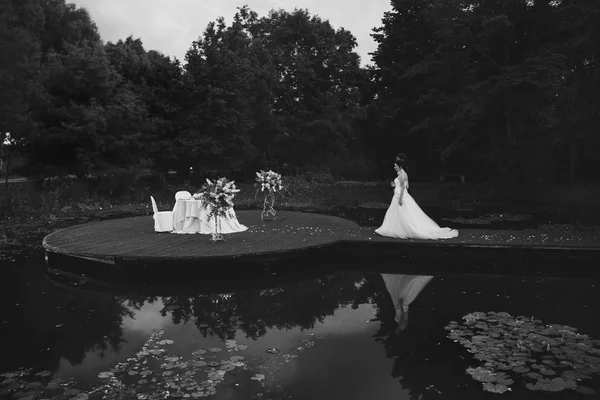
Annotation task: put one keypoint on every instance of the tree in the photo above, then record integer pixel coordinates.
(405, 40)
(19, 60)
(146, 100)
(580, 88)
(476, 83)
(226, 87)
(316, 90)
(78, 87)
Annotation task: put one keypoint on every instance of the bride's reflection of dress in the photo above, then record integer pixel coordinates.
(403, 290)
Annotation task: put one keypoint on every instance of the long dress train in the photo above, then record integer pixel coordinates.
(408, 221)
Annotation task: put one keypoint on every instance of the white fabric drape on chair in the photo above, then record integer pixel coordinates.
(182, 194)
(163, 220)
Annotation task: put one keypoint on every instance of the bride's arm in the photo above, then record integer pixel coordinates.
(401, 181)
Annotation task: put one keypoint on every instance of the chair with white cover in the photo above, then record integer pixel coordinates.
(182, 194)
(163, 220)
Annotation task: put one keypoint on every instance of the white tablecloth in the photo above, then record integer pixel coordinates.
(190, 216)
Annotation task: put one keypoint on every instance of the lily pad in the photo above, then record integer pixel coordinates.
(505, 381)
(481, 374)
(258, 377)
(550, 387)
(567, 384)
(215, 349)
(555, 356)
(71, 392)
(584, 390)
(549, 372)
(495, 387)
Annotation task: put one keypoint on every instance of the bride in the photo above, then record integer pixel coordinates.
(404, 218)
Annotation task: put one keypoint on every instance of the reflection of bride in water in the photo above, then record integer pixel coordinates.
(403, 290)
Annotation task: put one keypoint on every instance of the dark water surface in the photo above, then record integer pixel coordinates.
(343, 335)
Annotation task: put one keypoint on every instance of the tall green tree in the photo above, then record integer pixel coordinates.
(404, 42)
(146, 99)
(78, 86)
(479, 83)
(226, 88)
(577, 107)
(19, 66)
(316, 94)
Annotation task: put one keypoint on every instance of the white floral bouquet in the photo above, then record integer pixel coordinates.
(8, 140)
(218, 197)
(269, 182)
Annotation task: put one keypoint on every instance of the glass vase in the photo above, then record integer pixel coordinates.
(216, 235)
(268, 212)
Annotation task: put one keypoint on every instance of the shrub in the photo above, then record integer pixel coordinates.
(319, 178)
(307, 185)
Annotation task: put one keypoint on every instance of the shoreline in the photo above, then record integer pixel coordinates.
(19, 235)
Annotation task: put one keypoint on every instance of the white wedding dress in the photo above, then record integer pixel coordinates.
(408, 221)
(403, 290)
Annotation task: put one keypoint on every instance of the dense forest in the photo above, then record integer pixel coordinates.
(497, 90)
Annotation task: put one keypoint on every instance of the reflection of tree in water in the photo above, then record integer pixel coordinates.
(300, 304)
(135, 302)
(427, 363)
(44, 323)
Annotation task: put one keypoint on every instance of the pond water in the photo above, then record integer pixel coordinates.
(343, 335)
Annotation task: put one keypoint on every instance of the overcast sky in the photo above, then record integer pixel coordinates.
(170, 26)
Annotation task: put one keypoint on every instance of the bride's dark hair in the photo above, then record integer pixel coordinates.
(402, 160)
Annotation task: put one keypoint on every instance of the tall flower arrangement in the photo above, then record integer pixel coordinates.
(6, 152)
(7, 143)
(217, 197)
(8, 140)
(269, 183)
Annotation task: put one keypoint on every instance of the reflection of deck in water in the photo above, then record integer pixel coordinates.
(294, 234)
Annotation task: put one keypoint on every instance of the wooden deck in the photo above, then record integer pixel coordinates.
(134, 238)
(293, 234)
